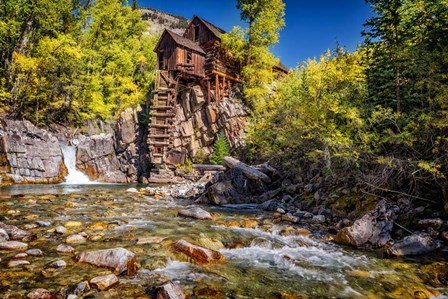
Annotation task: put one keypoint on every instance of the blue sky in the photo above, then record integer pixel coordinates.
(312, 26)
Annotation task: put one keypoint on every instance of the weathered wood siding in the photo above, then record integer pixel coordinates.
(205, 35)
(217, 61)
(166, 51)
(190, 61)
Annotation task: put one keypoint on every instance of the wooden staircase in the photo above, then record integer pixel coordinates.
(162, 110)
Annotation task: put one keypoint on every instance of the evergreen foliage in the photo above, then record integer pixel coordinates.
(378, 116)
(221, 149)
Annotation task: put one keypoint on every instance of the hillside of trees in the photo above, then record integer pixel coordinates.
(376, 118)
(72, 61)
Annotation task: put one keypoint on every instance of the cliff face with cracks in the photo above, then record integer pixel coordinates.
(29, 154)
(197, 122)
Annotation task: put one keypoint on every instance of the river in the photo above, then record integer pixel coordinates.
(262, 259)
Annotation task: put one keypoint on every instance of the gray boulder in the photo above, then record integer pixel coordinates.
(16, 233)
(119, 259)
(373, 228)
(413, 245)
(29, 154)
(195, 213)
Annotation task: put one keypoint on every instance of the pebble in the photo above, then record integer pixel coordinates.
(43, 223)
(73, 224)
(290, 218)
(13, 245)
(195, 213)
(35, 252)
(58, 264)
(281, 211)
(318, 219)
(104, 282)
(20, 255)
(150, 240)
(132, 190)
(62, 248)
(72, 239)
(39, 294)
(18, 263)
(3, 235)
(60, 230)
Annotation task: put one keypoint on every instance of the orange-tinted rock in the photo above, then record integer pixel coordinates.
(198, 254)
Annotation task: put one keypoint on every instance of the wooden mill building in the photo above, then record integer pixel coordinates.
(194, 58)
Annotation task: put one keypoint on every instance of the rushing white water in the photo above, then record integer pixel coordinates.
(74, 176)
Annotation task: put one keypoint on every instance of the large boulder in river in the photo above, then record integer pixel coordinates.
(413, 245)
(169, 291)
(119, 259)
(96, 157)
(373, 228)
(199, 254)
(29, 154)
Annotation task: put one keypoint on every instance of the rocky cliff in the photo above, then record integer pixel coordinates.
(197, 122)
(29, 154)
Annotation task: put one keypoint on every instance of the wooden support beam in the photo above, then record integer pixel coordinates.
(223, 86)
(217, 87)
(227, 76)
(208, 91)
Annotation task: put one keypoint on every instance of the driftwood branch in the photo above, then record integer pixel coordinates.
(249, 171)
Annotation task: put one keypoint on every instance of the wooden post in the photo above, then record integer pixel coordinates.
(217, 87)
(223, 86)
(208, 91)
(230, 87)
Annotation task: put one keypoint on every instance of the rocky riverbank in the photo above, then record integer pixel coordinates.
(347, 217)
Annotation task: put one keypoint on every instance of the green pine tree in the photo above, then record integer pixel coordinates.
(221, 149)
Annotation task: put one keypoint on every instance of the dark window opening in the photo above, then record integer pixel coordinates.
(196, 33)
(189, 56)
(162, 65)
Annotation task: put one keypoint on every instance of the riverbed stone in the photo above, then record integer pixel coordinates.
(58, 264)
(120, 259)
(63, 248)
(169, 290)
(13, 245)
(60, 230)
(18, 263)
(195, 213)
(75, 239)
(40, 294)
(373, 228)
(43, 223)
(413, 245)
(198, 254)
(3, 235)
(150, 240)
(16, 233)
(20, 255)
(104, 282)
(433, 223)
(35, 252)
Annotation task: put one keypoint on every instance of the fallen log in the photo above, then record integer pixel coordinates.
(249, 171)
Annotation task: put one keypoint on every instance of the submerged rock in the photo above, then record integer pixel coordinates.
(119, 259)
(16, 233)
(373, 228)
(198, 254)
(169, 291)
(63, 248)
(13, 245)
(104, 282)
(40, 294)
(3, 235)
(35, 252)
(18, 263)
(72, 239)
(195, 213)
(413, 245)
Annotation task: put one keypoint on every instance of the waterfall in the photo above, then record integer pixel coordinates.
(74, 176)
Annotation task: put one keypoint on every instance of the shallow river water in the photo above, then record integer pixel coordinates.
(262, 259)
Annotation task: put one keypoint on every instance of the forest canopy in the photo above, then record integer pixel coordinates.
(71, 61)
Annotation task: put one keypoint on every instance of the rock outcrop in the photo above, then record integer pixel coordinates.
(115, 158)
(197, 123)
(373, 228)
(413, 245)
(239, 184)
(29, 154)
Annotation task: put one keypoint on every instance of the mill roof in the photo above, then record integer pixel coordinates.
(181, 41)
